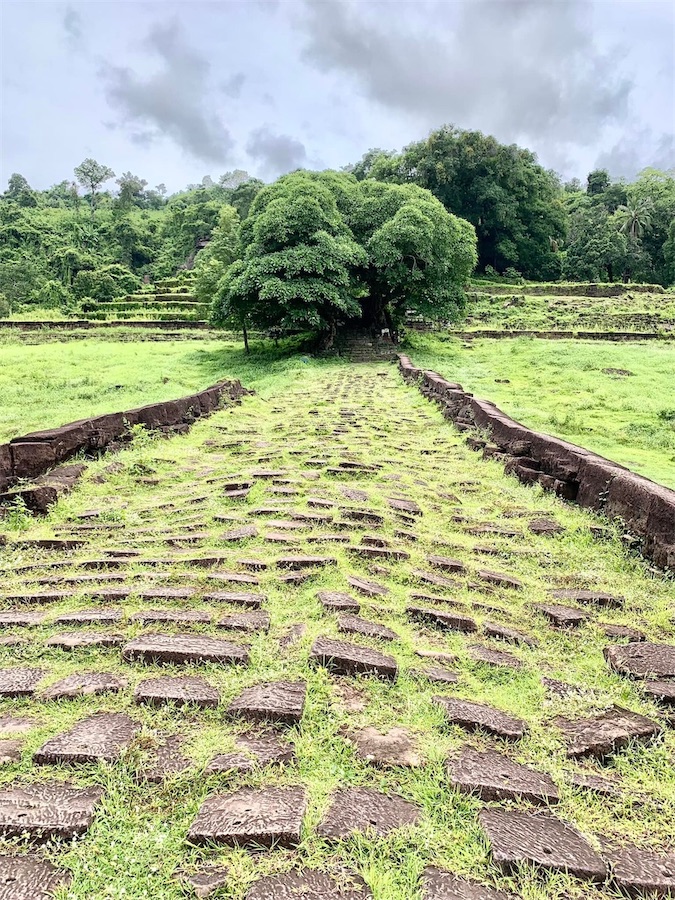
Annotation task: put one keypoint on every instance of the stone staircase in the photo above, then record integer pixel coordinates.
(363, 347)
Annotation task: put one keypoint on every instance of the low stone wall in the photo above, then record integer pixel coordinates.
(39, 455)
(647, 509)
(579, 289)
(73, 324)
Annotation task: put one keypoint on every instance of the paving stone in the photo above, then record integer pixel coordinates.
(239, 534)
(561, 616)
(183, 648)
(356, 625)
(206, 880)
(48, 809)
(494, 629)
(251, 817)
(85, 684)
(447, 564)
(371, 516)
(499, 579)
(292, 635)
(256, 565)
(167, 760)
(437, 618)
(19, 618)
(360, 809)
(71, 640)
(30, 878)
(437, 580)
(305, 562)
(246, 621)
(437, 674)
(438, 884)
(184, 616)
(275, 701)
(345, 658)
(643, 660)
(404, 506)
(621, 631)
(369, 588)
(493, 776)
(290, 525)
(560, 688)
(234, 578)
(182, 690)
(281, 537)
(354, 494)
(308, 885)
(237, 598)
(639, 872)
(295, 578)
(16, 724)
(20, 682)
(89, 617)
(312, 518)
(437, 655)
(599, 598)
(546, 527)
(37, 597)
(334, 538)
(540, 839)
(383, 553)
(604, 734)
(395, 748)
(663, 691)
(165, 593)
(472, 716)
(253, 751)
(103, 736)
(595, 783)
(338, 601)
(492, 657)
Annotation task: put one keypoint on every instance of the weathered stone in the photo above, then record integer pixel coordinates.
(621, 631)
(395, 748)
(103, 736)
(246, 621)
(642, 660)
(233, 578)
(183, 648)
(663, 691)
(253, 751)
(338, 601)
(438, 675)
(167, 760)
(18, 618)
(19, 682)
(494, 657)
(264, 817)
(305, 562)
(183, 616)
(542, 840)
(181, 690)
(308, 885)
(276, 701)
(595, 783)
(166, 593)
(360, 809)
(85, 684)
(493, 776)
(405, 506)
(447, 564)
(546, 527)
(601, 735)
(16, 724)
(440, 885)
(384, 553)
(437, 618)
(239, 534)
(500, 579)
(639, 872)
(48, 809)
(206, 880)
(89, 617)
(292, 635)
(472, 716)
(10, 750)
(494, 629)
(438, 580)
(71, 640)
(237, 598)
(437, 655)
(369, 588)
(345, 658)
(356, 625)
(599, 598)
(562, 616)
(30, 878)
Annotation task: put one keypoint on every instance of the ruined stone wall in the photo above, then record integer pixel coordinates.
(647, 509)
(34, 455)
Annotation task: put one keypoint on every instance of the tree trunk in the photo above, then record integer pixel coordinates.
(246, 347)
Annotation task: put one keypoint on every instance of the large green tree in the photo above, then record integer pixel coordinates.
(92, 175)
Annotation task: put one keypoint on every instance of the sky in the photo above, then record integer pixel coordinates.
(174, 91)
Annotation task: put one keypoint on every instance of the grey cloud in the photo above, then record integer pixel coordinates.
(72, 25)
(627, 157)
(522, 69)
(233, 85)
(276, 153)
(170, 103)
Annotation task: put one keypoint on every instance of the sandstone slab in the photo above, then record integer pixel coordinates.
(251, 817)
(473, 716)
(601, 735)
(308, 885)
(395, 748)
(253, 751)
(361, 809)
(86, 684)
(103, 736)
(182, 690)
(642, 660)
(643, 872)
(493, 776)
(277, 701)
(345, 658)
(30, 878)
(338, 601)
(246, 621)
(437, 618)
(438, 884)
(183, 648)
(356, 625)
(48, 809)
(19, 682)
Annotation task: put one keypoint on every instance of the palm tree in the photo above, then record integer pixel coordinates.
(634, 217)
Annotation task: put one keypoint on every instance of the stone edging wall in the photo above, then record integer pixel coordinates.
(39, 455)
(72, 324)
(646, 508)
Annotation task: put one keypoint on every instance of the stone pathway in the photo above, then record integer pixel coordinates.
(319, 648)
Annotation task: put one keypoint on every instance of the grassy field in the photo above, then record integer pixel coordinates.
(159, 488)
(568, 388)
(49, 384)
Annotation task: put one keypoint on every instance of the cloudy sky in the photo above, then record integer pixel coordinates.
(173, 91)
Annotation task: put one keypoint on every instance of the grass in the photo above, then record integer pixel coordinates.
(560, 387)
(137, 841)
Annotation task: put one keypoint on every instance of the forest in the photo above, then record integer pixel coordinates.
(97, 236)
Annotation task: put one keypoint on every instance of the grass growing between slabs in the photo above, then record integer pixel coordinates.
(159, 488)
(616, 399)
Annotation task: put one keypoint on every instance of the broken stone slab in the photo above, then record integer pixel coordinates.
(622, 631)
(21, 619)
(437, 618)
(437, 674)
(493, 776)
(167, 760)
(561, 616)
(20, 682)
(599, 736)
(405, 506)
(46, 810)
(10, 750)
(383, 553)
(85, 684)
(305, 562)
(642, 660)
(499, 579)
(447, 564)
(437, 655)
(663, 691)
(595, 783)
(494, 629)
(639, 872)
(30, 878)
(472, 716)
(181, 690)
(253, 751)
(492, 657)
(438, 884)
(183, 616)
(438, 580)
(183, 648)
(206, 880)
(540, 839)
(89, 617)
(263, 817)
(356, 625)
(276, 701)
(395, 748)
(369, 588)
(239, 534)
(246, 621)
(103, 736)
(71, 640)
(361, 809)
(599, 598)
(16, 724)
(237, 598)
(545, 527)
(338, 601)
(345, 658)
(308, 885)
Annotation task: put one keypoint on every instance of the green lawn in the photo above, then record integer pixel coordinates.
(559, 387)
